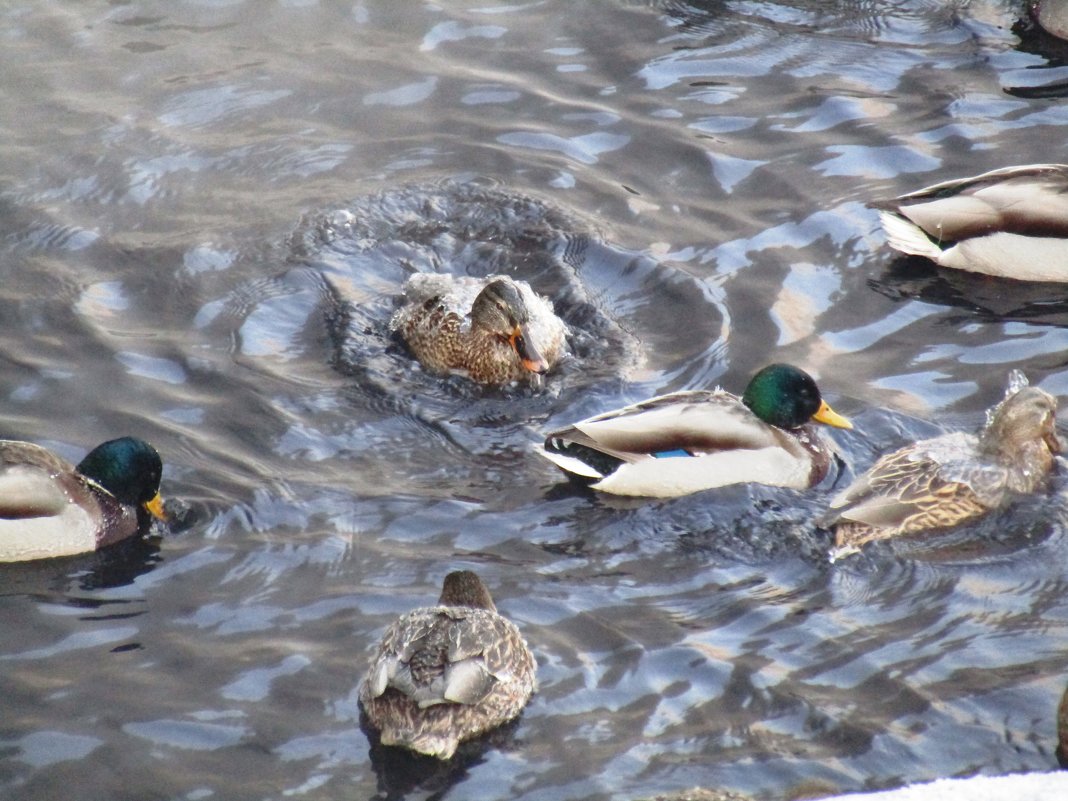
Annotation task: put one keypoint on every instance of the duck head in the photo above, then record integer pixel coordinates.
(787, 397)
(1028, 416)
(500, 310)
(130, 469)
(465, 588)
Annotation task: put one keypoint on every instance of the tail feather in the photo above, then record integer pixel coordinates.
(903, 235)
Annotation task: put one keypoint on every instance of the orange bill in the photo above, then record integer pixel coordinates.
(825, 414)
(528, 354)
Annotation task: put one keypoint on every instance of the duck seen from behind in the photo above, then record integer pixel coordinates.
(495, 330)
(954, 478)
(50, 508)
(1008, 223)
(445, 674)
(685, 442)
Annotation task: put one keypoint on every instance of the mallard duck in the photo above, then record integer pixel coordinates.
(447, 673)
(496, 330)
(49, 507)
(1052, 15)
(955, 478)
(689, 441)
(1010, 223)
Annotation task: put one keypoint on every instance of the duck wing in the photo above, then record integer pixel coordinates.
(697, 422)
(34, 482)
(904, 492)
(1030, 200)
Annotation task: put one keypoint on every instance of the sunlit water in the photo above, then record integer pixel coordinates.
(207, 211)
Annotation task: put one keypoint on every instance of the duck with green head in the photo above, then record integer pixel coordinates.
(956, 478)
(690, 441)
(448, 673)
(50, 508)
(495, 330)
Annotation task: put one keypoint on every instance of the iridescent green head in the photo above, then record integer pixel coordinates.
(128, 468)
(787, 397)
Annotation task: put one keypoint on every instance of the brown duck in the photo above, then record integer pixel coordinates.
(495, 330)
(955, 478)
(447, 673)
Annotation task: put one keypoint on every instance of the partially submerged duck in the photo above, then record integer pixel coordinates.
(448, 673)
(1009, 223)
(689, 441)
(955, 478)
(50, 508)
(495, 330)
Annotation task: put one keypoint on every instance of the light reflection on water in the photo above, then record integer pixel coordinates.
(208, 211)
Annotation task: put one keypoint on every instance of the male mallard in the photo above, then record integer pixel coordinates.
(49, 507)
(1052, 15)
(496, 330)
(951, 479)
(1009, 223)
(447, 673)
(688, 441)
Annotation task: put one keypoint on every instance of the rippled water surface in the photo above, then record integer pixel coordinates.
(207, 210)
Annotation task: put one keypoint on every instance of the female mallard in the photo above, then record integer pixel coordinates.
(690, 441)
(951, 479)
(447, 673)
(495, 330)
(49, 507)
(1009, 223)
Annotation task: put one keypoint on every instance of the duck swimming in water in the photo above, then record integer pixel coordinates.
(952, 479)
(50, 508)
(1008, 223)
(689, 441)
(495, 330)
(447, 673)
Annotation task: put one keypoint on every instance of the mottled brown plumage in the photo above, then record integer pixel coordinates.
(495, 330)
(447, 673)
(952, 479)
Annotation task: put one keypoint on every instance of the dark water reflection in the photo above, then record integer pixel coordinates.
(206, 212)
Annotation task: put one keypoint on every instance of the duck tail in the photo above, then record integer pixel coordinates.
(906, 236)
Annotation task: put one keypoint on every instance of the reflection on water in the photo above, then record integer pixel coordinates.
(207, 213)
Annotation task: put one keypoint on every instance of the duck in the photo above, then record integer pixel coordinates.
(1007, 223)
(51, 508)
(954, 478)
(1052, 16)
(689, 441)
(448, 673)
(495, 330)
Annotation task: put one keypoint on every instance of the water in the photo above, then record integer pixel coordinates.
(207, 210)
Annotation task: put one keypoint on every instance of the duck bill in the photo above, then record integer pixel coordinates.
(155, 507)
(825, 414)
(1053, 442)
(529, 356)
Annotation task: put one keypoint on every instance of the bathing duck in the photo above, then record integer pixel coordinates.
(689, 441)
(496, 330)
(1009, 223)
(447, 673)
(955, 478)
(49, 507)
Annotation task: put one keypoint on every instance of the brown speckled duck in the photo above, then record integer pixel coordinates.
(496, 330)
(447, 673)
(955, 478)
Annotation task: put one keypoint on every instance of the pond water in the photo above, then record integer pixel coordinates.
(207, 209)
